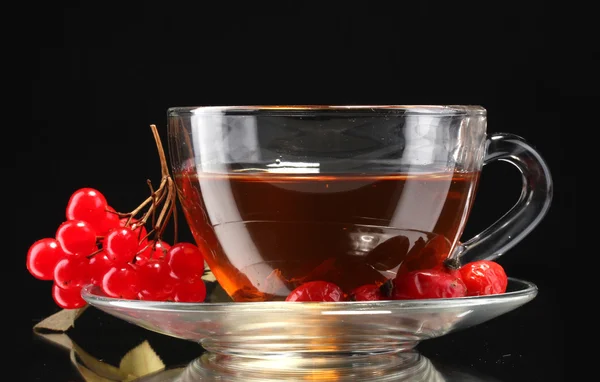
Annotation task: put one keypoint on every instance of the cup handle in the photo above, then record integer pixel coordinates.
(527, 212)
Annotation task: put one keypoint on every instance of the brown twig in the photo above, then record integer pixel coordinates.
(163, 198)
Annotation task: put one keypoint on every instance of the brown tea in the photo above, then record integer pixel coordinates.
(266, 233)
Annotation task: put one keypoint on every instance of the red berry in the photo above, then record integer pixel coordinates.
(87, 204)
(121, 245)
(369, 292)
(111, 220)
(135, 226)
(99, 264)
(72, 272)
(121, 282)
(153, 250)
(193, 291)
(67, 298)
(156, 282)
(484, 277)
(42, 257)
(427, 284)
(316, 291)
(186, 261)
(76, 237)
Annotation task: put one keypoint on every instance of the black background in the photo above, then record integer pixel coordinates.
(101, 75)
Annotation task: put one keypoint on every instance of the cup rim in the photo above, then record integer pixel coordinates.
(401, 110)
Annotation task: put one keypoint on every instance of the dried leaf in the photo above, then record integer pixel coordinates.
(60, 321)
(208, 275)
(98, 367)
(141, 360)
(87, 374)
(89, 367)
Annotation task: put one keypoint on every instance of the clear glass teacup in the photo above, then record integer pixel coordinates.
(277, 196)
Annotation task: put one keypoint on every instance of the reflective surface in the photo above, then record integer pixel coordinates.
(276, 329)
(410, 366)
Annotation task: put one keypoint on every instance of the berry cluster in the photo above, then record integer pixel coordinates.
(97, 245)
(116, 252)
(477, 278)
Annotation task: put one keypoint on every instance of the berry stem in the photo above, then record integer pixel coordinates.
(95, 253)
(163, 198)
(161, 153)
(153, 202)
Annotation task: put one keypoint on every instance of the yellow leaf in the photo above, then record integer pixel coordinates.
(87, 374)
(60, 321)
(141, 360)
(208, 275)
(85, 362)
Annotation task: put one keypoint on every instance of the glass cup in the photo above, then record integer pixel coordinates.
(276, 196)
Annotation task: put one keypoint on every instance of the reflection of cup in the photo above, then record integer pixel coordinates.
(410, 366)
(276, 196)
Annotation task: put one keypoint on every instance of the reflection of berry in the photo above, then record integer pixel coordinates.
(42, 257)
(316, 291)
(484, 277)
(427, 284)
(369, 292)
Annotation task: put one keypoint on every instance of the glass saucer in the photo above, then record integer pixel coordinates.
(313, 329)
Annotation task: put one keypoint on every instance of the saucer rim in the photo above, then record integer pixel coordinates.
(525, 290)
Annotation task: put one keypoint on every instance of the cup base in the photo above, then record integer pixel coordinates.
(310, 366)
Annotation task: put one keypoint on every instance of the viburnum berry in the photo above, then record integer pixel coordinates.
(121, 282)
(186, 261)
(72, 272)
(426, 284)
(111, 220)
(316, 291)
(76, 237)
(190, 291)
(87, 204)
(67, 298)
(155, 280)
(484, 277)
(137, 227)
(42, 257)
(98, 265)
(154, 250)
(113, 250)
(369, 292)
(121, 245)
